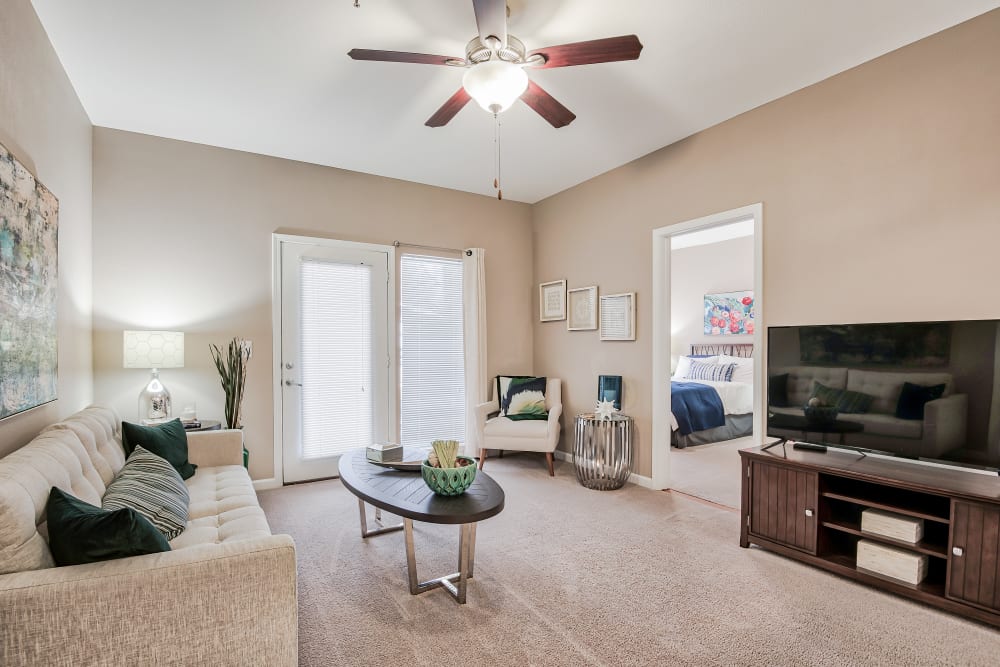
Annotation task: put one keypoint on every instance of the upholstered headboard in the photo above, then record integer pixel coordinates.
(744, 350)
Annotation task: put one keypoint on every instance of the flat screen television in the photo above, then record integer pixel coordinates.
(920, 390)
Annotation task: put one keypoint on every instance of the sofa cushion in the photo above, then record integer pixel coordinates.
(82, 533)
(168, 440)
(913, 398)
(525, 399)
(889, 425)
(777, 390)
(223, 508)
(825, 395)
(886, 386)
(150, 485)
(801, 378)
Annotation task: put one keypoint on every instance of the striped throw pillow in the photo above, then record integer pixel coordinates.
(152, 487)
(714, 372)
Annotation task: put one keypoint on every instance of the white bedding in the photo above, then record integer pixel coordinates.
(737, 397)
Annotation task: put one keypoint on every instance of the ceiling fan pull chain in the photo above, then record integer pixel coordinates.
(496, 141)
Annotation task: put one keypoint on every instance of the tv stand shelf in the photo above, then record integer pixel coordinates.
(807, 505)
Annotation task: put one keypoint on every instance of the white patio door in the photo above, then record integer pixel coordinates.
(335, 355)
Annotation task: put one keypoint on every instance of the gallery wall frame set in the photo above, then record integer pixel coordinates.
(552, 301)
(618, 316)
(582, 304)
(585, 310)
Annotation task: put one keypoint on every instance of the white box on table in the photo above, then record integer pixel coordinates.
(896, 526)
(908, 567)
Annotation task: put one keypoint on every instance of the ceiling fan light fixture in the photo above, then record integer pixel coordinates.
(495, 84)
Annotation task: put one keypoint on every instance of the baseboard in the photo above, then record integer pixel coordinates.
(634, 478)
(265, 484)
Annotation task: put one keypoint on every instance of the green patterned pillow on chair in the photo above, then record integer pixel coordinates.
(524, 399)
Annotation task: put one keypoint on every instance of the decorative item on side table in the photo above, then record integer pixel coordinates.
(384, 452)
(819, 413)
(582, 302)
(552, 301)
(153, 350)
(602, 452)
(233, 376)
(446, 473)
(609, 388)
(28, 288)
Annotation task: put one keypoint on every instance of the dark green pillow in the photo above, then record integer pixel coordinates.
(854, 402)
(167, 440)
(828, 395)
(525, 399)
(914, 397)
(81, 533)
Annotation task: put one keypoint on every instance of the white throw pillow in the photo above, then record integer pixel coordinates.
(744, 367)
(684, 365)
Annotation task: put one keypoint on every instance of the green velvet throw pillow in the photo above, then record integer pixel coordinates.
(167, 440)
(81, 533)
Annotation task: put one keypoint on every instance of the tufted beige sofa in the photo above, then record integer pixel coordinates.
(224, 595)
(943, 427)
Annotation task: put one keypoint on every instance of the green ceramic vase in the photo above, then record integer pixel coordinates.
(450, 481)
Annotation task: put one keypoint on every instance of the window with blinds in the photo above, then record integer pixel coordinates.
(432, 351)
(336, 362)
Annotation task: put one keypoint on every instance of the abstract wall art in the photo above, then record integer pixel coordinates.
(729, 314)
(29, 224)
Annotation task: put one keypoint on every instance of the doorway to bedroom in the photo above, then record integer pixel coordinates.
(708, 345)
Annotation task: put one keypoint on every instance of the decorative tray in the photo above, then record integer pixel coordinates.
(413, 457)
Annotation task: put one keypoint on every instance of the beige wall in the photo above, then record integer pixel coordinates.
(45, 127)
(182, 241)
(725, 266)
(881, 202)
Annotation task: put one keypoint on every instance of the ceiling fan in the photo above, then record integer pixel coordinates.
(495, 62)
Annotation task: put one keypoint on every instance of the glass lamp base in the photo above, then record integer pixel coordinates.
(154, 401)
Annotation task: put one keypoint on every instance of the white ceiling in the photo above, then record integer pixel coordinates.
(273, 77)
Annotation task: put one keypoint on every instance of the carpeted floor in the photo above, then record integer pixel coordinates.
(709, 471)
(569, 576)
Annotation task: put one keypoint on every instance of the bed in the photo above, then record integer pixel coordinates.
(705, 411)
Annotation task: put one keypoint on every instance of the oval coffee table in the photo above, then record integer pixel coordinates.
(406, 495)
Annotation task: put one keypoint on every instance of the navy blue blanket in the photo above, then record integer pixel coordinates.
(696, 406)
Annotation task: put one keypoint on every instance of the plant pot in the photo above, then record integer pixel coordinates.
(450, 481)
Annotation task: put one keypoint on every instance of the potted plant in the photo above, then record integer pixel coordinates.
(446, 473)
(232, 367)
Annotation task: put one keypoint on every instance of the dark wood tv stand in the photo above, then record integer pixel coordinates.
(807, 505)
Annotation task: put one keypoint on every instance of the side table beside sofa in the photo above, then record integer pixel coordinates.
(224, 595)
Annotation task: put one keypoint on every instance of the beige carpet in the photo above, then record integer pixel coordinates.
(709, 471)
(568, 576)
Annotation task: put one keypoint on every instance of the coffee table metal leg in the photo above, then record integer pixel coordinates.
(466, 557)
(381, 530)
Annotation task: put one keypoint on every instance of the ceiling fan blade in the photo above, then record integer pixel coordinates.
(448, 110)
(402, 57)
(610, 49)
(491, 19)
(547, 106)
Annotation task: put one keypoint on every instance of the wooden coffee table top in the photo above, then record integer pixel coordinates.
(405, 494)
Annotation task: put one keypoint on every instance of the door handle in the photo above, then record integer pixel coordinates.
(957, 551)
(289, 383)
(809, 512)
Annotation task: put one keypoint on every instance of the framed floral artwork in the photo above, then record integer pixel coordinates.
(729, 314)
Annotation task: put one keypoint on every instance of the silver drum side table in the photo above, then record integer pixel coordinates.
(602, 453)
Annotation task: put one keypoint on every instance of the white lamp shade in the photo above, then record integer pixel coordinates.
(153, 349)
(495, 84)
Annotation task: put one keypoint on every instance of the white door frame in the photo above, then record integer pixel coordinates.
(662, 332)
(276, 302)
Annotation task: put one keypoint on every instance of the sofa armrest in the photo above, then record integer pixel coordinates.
(945, 424)
(554, 415)
(232, 603)
(216, 448)
(484, 410)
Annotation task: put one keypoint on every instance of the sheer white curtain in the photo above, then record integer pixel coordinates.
(474, 309)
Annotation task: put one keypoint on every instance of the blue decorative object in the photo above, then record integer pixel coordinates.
(609, 388)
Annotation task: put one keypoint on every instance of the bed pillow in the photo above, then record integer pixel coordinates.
(152, 487)
(168, 440)
(744, 367)
(777, 390)
(713, 372)
(525, 399)
(684, 364)
(914, 397)
(82, 533)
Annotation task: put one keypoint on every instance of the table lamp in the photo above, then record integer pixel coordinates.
(154, 350)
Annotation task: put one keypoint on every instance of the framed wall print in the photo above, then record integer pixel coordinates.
(618, 316)
(582, 304)
(552, 301)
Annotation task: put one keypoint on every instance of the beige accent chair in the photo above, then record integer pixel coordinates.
(527, 435)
